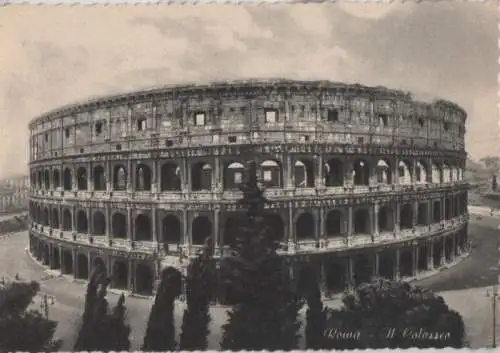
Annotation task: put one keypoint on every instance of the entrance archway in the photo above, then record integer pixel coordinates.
(144, 279)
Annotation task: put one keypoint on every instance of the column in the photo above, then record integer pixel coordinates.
(291, 228)
(322, 230)
(443, 250)
(349, 221)
(130, 276)
(154, 176)
(216, 240)
(51, 257)
(108, 176)
(397, 216)
(430, 255)
(376, 264)
(186, 178)
(371, 214)
(348, 171)
(454, 246)
(376, 208)
(75, 262)
(90, 179)
(186, 228)
(73, 219)
(396, 265)
(154, 224)
(395, 171)
(130, 232)
(90, 224)
(129, 120)
(109, 221)
(130, 187)
(320, 183)
(317, 228)
(89, 264)
(415, 213)
(413, 170)
(415, 260)
(218, 176)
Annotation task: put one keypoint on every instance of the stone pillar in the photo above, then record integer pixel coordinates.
(75, 263)
(430, 255)
(397, 216)
(154, 225)
(350, 221)
(130, 174)
(108, 176)
(129, 121)
(131, 276)
(154, 176)
(109, 221)
(320, 182)
(414, 271)
(73, 219)
(218, 175)
(376, 264)
(454, 246)
(291, 229)
(90, 179)
(317, 227)
(396, 265)
(322, 219)
(90, 223)
(348, 171)
(130, 231)
(216, 234)
(443, 250)
(376, 208)
(414, 220)
(186, 228)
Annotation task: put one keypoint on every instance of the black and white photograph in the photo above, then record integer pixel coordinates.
(273, 176)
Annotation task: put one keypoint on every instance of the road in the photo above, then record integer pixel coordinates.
(463, 287)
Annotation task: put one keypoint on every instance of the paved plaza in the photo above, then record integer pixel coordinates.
(464, 287)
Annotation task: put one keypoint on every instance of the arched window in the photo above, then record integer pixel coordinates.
(82, 178)
(271, 174)
(143, 178)
(170, 177)
(120, 178)
(99, 178)
(201, 176)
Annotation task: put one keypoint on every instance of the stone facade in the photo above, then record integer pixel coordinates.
(364, 181)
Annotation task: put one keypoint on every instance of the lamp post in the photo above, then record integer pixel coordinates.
(493, 293)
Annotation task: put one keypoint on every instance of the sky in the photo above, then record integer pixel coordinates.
(56, 55)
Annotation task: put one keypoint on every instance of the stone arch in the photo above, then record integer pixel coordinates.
(423, 214)
(404, 173)
(333, 223)
(54, 220)
(45, 216)
(119, 225)
(119, 277)
(119, 178)
(201, 229)
(67, 265)
(99, 223)
(171, 229)
(83, 267)
(383, 171)
(82, 225)
(144, 279)
(67, 220)
(68, 179)
(230, 230)
(56, 178)
(233, 175)
(143, 228)
(99, 178)
(305, 226)
(361, 221)
(170, 179)
(201, 176)
(334, 172)
(304, 173)
(81, 177)
(361, 172)
(385, 219)
(143, 177)
(406, 217)
(272, 175)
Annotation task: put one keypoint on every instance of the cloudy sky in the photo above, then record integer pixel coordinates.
(55, 55)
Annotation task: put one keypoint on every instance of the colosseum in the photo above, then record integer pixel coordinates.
(362, 181)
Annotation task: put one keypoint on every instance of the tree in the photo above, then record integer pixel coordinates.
(160, 332)
(199, 290)
(316, 313)
(265, 315)
(389, 314)
(102, 330)
(22, 329)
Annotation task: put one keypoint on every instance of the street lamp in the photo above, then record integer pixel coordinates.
(493, 293)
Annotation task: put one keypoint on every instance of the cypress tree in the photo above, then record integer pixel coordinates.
(266, 312)
(199, 290)
(22, 329)
(316, 313)
(160, 332)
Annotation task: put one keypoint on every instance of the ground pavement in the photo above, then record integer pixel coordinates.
(464, 288)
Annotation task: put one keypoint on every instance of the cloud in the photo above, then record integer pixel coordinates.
(58, 55)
